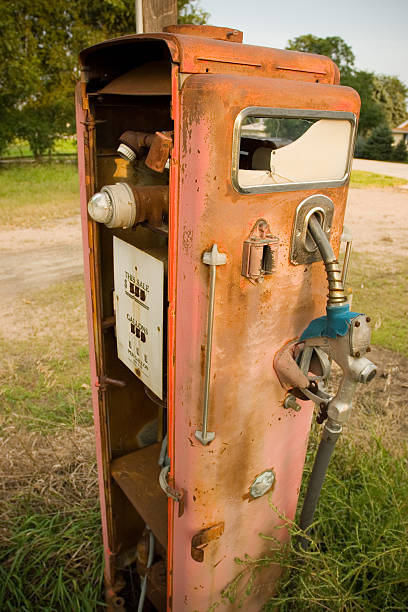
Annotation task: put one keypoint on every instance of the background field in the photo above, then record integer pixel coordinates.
(50, 544)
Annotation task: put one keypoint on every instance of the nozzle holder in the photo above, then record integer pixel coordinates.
(303, 251)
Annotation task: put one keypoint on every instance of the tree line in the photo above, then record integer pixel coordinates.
(383, 98)
(39, 46)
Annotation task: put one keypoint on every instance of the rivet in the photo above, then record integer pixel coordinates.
(358, 354)
(368, 349)
(357, 323)
(368, 319)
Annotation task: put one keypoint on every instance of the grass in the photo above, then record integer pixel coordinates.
(33, 194)
(21, 148)
(380, 290)
(45, 375)
(360, 178)
(50, 536)
(358, 556)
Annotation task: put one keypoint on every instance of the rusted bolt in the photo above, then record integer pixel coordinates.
(290, 402)
(368, 319)
(358, 354)
(368, 349)
(357, 323)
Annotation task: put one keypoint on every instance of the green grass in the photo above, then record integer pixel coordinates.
(359, 178)
(358, 557)
(45, 375)
(380, 290)
(50, 534)
(21, 148)
(52, 559)
(33, 194)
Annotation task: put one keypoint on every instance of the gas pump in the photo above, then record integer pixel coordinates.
(213, 181)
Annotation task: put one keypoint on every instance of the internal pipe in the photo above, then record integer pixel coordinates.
(336, 290)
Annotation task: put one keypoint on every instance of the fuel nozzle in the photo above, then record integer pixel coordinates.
(344, 337)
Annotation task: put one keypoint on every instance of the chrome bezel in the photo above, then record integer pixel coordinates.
(280, 113)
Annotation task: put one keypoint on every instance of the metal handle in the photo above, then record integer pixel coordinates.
(213, 259)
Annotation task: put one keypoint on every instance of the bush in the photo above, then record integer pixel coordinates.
(359, 148)
(400, 152)
(379, 144)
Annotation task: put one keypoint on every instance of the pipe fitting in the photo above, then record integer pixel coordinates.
(124, 205)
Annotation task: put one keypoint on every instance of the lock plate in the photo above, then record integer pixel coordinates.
(303, 249)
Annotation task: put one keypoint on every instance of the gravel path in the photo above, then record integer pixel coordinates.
(35, 258)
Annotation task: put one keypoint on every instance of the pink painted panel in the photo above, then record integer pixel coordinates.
(252, 322)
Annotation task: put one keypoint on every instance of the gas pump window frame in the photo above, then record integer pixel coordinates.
(262, 112)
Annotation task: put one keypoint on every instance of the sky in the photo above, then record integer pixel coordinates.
(376, 30)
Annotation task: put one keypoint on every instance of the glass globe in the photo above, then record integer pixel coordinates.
(100, 207)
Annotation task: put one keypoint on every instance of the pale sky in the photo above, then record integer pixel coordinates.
(376, 30)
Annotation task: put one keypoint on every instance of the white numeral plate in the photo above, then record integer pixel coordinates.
(139, 282)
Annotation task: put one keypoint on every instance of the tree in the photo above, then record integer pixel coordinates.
(371, 113)
(189, 11)
(400, 152)
(391, 94)
(383, 98)
(39, 46)
(379, 144)
(331, 46)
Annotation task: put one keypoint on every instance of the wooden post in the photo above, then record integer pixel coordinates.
(158, 14)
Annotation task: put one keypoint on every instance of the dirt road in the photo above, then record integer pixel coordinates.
(35, 258)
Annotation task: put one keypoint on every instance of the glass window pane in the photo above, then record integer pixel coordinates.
(287, 150)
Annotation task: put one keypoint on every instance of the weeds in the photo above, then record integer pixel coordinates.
(358, 558)
(358, 555)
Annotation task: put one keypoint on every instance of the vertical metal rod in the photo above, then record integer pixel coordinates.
(207, 370)
(346, 262)
(212, 259)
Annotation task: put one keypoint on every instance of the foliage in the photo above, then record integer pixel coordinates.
(190, 11)
(379, 144)
(331, 46)
(400, 151)
(371, 112)
(39, 46)
(383, 98)
(391, 94)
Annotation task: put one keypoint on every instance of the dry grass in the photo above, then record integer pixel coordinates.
(50, 538)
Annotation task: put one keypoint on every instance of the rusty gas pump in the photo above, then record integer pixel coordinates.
(214, 178)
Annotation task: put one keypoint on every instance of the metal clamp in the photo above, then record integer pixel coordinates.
(213, 259)
(177, 496)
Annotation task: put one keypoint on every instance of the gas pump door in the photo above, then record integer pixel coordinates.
(257, 156)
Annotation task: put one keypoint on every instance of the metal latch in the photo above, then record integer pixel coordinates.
(201, 539)
(260, 252)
